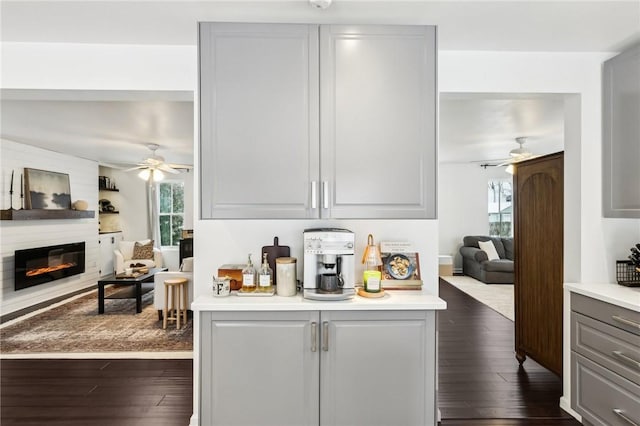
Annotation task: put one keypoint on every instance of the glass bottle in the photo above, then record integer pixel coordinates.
(248, 277)
(265, 276)
(372, 275)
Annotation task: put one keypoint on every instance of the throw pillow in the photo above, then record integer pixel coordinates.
(489, 248)
(143, 251)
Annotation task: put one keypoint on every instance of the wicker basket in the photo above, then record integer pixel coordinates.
(627, 274)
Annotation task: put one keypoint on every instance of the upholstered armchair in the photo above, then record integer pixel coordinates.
(127, 254)
(186, 271)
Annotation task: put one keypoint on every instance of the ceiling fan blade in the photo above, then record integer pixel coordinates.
(141, 166)
(180, 166)
(166, 168)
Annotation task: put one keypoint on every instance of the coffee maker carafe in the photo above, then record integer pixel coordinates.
(329, 262)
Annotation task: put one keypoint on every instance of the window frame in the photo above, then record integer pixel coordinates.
(171, 214)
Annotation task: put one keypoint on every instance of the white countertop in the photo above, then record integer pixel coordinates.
(392, 300)
(626, 297)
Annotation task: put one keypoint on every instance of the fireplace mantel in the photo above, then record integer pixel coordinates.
(38, 214)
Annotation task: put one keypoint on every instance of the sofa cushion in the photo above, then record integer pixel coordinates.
(143, 251)
(126, 248)
(500, 265)
(508, 248)
(472, 241)
(490, 249)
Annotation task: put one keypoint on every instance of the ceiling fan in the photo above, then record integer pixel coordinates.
(518, 154)
(155, 165)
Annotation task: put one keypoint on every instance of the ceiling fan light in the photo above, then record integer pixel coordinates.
(157, 175)
(518, 152)
(144, 174)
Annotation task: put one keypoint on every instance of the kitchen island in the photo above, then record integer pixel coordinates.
(291, 361)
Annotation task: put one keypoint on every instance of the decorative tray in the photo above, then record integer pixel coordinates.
(363, 293)
(255, 294)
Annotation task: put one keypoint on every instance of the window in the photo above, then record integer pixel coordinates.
(171, 212)
(500, 208)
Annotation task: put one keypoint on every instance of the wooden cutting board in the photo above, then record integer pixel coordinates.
(273, 252)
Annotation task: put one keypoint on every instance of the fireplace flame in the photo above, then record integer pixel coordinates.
(48, 269)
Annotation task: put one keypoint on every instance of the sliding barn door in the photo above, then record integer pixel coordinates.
(538, 237)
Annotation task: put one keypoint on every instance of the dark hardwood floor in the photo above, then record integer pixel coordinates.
(480, 383)
(479, 376)
(96, 392)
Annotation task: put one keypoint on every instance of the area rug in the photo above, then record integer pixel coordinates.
(498, 297)
(74, 326)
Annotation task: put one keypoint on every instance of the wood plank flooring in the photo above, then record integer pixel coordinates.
(479, 376)
(96, 392)
(480, 382)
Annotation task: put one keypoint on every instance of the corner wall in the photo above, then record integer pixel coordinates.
(16, 235)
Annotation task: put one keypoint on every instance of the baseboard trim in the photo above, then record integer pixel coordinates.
(566, 406)
(16, 314)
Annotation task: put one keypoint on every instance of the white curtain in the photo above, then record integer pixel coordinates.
(152, 201)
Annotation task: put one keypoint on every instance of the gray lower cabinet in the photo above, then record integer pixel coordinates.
(605, 362)
(317, 368)
(317, 121)
(620, 134)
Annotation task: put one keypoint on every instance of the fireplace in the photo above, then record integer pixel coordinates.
(43, 264)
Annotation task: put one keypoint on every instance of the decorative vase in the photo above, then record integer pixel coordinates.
(80, 205)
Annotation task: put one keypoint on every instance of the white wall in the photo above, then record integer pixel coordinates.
(17, 235)
(463, 204)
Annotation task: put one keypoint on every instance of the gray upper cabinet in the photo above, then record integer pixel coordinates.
(377, 120)
(258, 120)
(621, 135)
(317, 121)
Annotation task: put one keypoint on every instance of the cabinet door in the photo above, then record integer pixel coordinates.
(108, 242)
(378, 368)
(259, 368)
(259, 129)
(378, 121)
(620, 135)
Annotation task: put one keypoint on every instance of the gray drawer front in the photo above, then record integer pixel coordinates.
(616, 316)
(599, 392)
(610, 347)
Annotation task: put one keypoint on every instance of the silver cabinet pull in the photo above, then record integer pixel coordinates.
(325, 194)
(325, 336)
(627, 359)
(314, 336)
(626, 321)
(621, 414)
(314, 194)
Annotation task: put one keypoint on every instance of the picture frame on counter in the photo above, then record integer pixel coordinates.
(46, 190)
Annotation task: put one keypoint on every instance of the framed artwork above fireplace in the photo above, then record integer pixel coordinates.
(46, 190)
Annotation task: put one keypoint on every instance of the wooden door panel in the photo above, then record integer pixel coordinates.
(539, 217)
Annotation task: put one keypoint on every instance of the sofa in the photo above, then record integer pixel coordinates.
(125, 252)
(476, 262)
(186, 271)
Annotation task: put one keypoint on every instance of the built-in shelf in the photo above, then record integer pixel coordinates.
(109, 189)
(37, 214)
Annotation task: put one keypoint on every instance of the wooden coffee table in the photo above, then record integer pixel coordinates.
(135, 288)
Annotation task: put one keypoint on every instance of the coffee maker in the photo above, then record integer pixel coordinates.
(329, 262)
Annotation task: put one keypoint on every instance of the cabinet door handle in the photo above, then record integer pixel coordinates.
(627, 359)
(626, 321)
(325, 194)
(623, 416)
(314, 336)
(325, 336)
(314, 194)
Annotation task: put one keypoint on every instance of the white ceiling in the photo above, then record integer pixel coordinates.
(114, 127)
